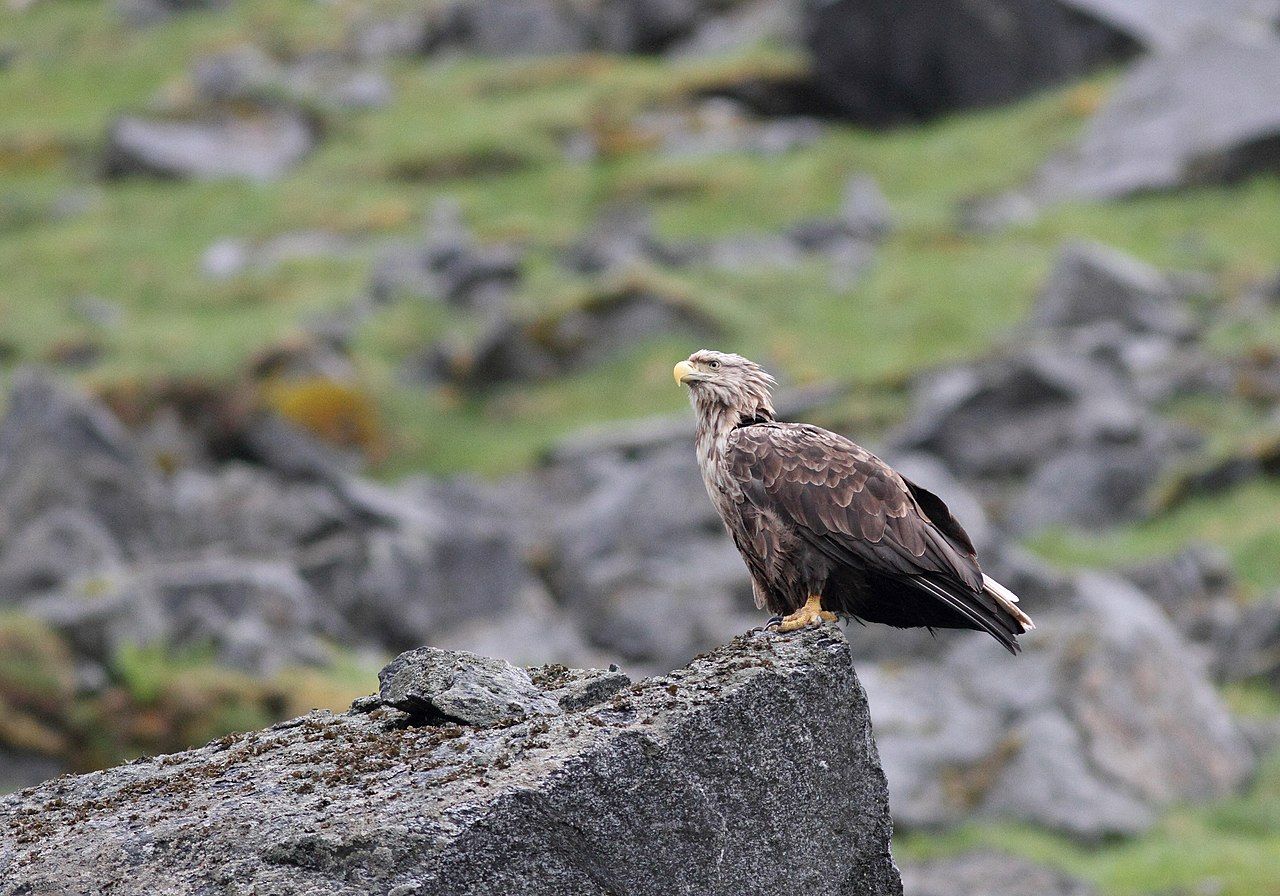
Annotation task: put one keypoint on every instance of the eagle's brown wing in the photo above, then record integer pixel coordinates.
(899, 540)
(852, 504)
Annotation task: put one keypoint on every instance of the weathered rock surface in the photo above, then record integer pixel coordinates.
(701, 781)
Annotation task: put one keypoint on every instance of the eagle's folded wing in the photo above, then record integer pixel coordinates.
(849, 504)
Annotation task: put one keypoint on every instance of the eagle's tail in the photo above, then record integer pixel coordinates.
(1008, 602)
(994, 609)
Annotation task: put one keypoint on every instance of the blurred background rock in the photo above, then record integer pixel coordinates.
(334, 329)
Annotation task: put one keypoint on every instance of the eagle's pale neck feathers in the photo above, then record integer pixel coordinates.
(740, 400)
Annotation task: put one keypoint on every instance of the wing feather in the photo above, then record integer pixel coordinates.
(850, 504)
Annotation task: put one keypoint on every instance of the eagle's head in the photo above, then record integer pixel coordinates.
(722, 380)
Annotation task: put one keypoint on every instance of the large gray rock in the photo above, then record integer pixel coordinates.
(751, 771)
(450, 685)
(1105, 720)
(514, 349)
(641, 560)
(1091, 283)
(1197, 589)
(1088, 487)
(883, 61)
(261, 146)
(1202, 113)
(523, 27)
(451, 266)
(1005, 417)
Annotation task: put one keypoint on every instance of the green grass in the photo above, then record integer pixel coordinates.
(934, 294)
(1229, 848)
(1242, 521)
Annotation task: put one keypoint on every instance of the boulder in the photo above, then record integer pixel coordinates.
(1092, 731)
(641, 561)
(646, 26)
(1099, 485)
(1197, 589)
(1091, 283)
(438, 686)
(261, 145)
(882, 62)
(1007, 416)
(374, 38)
(1061, 430)
(1203, 113)
(744, 25)
(1250, 649)
(670, 785)
(450, 265)
(55, 547)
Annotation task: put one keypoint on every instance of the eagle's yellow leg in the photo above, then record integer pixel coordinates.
(810, 614)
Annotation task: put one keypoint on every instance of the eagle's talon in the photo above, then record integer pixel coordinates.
(810, 614)
(773, 620)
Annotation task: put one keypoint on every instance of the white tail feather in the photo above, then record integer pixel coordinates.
(1008, 600)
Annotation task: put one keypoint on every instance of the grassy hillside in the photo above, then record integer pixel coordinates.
(935, 294)
(489, 136)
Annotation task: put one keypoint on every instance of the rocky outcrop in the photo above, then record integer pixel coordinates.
(1066, 428)
(752, 770)
(113, 552)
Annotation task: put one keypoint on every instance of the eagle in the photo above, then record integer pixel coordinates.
(826, 528)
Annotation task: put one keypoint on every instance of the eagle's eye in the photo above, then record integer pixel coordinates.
(714, 365)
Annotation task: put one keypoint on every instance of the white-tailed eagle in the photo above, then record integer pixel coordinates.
(826, 527)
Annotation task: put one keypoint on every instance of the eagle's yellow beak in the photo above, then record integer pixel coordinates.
(683, 369)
